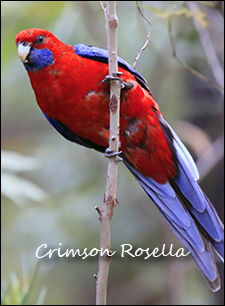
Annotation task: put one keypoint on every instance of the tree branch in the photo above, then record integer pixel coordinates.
(105, 214)
(147, 38)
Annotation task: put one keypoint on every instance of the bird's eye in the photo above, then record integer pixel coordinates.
(24, 43)
(39, 39)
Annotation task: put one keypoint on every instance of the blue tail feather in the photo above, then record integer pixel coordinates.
(187, 209)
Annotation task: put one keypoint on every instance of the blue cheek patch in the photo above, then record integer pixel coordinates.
(39, 59)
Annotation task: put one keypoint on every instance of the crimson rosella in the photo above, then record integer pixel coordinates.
(67, 81)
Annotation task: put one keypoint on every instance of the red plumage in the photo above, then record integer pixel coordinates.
(72, 92)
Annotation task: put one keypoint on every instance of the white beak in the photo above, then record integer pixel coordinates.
(23, 51)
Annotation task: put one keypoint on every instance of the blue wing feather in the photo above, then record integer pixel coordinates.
(183, 152)
(201, 210)
(171, 209)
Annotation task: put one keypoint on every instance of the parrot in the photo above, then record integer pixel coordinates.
(68, 84)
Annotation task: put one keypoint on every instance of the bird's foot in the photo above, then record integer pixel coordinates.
(116, 77)
(112, 153)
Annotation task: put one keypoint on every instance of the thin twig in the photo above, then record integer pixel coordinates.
(103, 8)
(208, 47)
(187, 67)
(106, 212)
(148, 36)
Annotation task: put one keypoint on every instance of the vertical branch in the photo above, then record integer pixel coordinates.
(105, 214)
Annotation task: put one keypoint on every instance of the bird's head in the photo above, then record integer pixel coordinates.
(36, 48)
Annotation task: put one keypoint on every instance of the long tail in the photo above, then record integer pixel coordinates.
(187, 209)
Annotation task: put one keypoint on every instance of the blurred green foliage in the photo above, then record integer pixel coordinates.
(17, 293)
(65, 181)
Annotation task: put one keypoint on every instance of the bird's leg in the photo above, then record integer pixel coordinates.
(111, 153)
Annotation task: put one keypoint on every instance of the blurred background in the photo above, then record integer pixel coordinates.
(51, 186)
